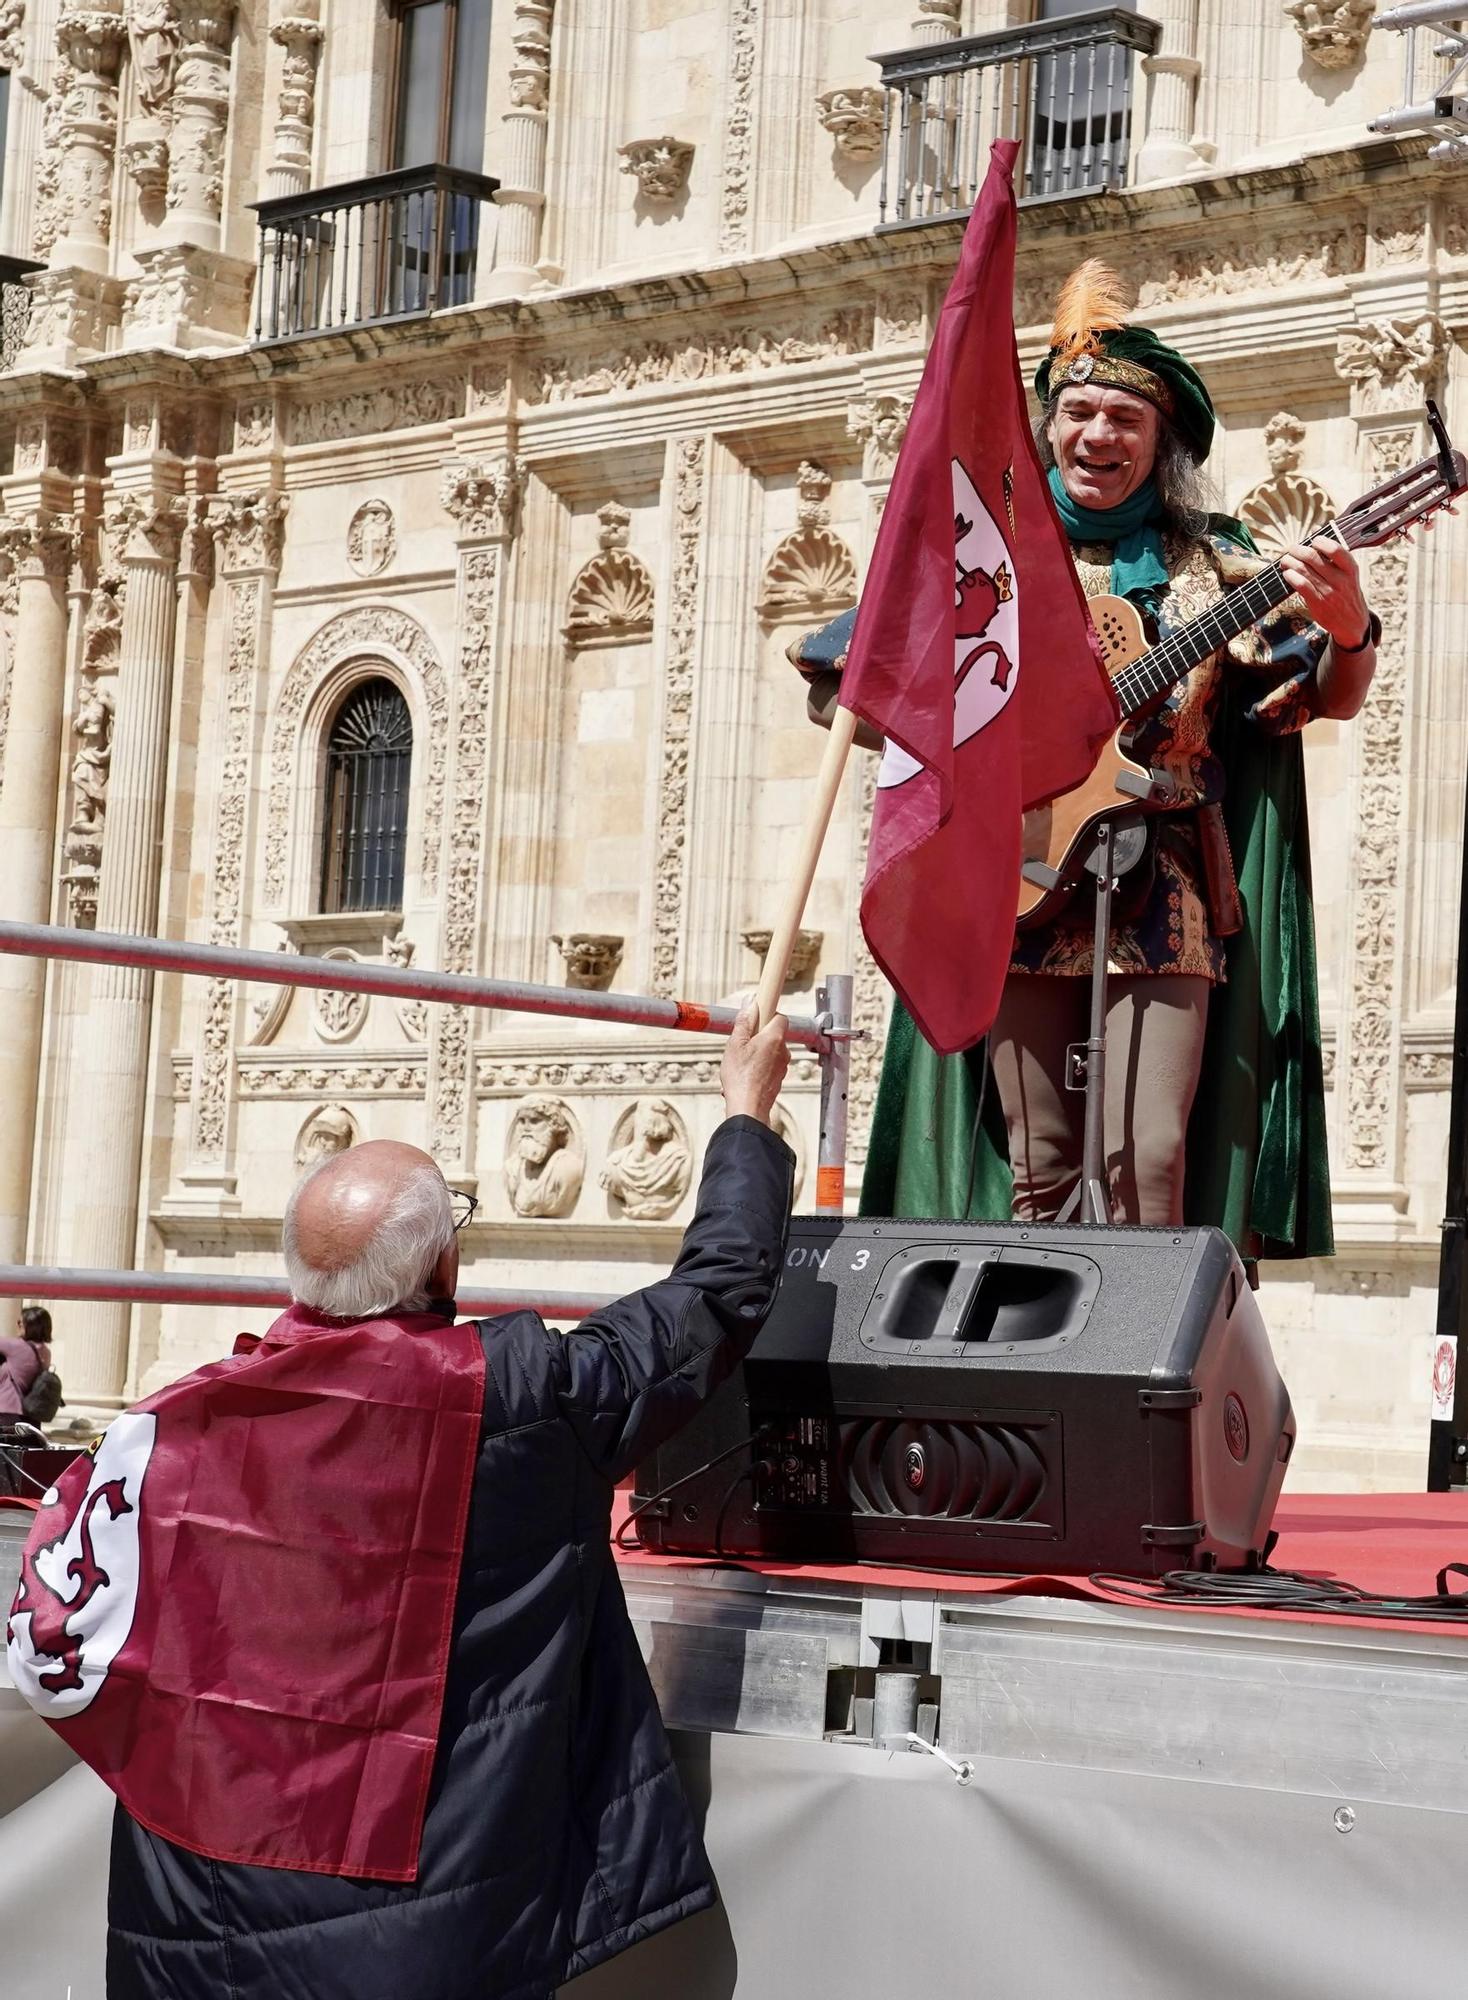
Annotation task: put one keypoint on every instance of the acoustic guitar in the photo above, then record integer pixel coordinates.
(1059, 836)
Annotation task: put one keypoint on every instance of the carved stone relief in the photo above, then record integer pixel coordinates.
(412, 1014)
(734, 207)
(348, 1076)
(786, 343)
(12, 34)
(659, 166)
(1334, 32)
(367, 412)
(611, 601)
(90, 769)
(545, 1158)
(1286, 507)
(268, 1008)
(592, 958)
(330, 1130)
(1370, 1064)
(298, 33)
(336, 1015)
(484, 495)
(363, 633)
(803, 957)
(372, 538)
(1393, 361)
(451, 1032)
(650, 1163)
(812, 573)
(879, 424)
(853, 117)
(870, 997)
(689, 457)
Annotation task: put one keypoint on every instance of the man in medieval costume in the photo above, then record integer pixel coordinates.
(1214, 1102)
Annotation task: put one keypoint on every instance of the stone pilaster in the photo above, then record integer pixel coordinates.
(1172, 74)
(108, 1101)
(935, 21)
(249, 535)
(521, 199)
(1392, 366)
(38, 544)
(297, 31)
(483, 497)
(879, 423)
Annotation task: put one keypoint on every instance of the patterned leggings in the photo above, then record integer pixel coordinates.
(1154, 1049)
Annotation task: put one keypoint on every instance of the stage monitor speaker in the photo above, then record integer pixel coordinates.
(988, 1397)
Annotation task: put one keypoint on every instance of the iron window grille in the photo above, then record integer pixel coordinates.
(369, 756)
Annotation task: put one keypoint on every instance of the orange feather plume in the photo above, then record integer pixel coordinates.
(1093, 301)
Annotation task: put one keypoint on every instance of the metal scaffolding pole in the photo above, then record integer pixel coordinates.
(59, 1281)
(271, 968)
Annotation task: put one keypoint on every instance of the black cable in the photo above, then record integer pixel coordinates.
(1290, 1591)
(973, 1144)
(634, 1514)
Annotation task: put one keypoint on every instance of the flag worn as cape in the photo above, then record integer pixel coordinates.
(238, 1611)
(973, 654)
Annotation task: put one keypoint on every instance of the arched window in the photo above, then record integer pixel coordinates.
(364, 831)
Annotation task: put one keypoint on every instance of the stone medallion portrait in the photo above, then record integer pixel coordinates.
(651, 1163)
(372, 538)
(545, 1160)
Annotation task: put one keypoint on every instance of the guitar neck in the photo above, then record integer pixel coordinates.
(1175, 656)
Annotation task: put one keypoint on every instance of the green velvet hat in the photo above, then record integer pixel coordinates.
(1090, 343)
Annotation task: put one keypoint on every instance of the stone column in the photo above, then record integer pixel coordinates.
(935, 21)
(297, 30)
(1167, 149)
(39, 545)
(75, 301)
(521, 200)
(111, 1083)
(249, 534)
(89, 39)
(1392, 365)
(483, 496)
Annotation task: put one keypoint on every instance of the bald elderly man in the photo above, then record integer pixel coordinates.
(383, 1731)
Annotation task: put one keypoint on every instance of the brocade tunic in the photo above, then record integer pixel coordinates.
(1162, 922)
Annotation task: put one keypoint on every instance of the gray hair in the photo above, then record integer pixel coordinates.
(392, 1272)
(1186, 497)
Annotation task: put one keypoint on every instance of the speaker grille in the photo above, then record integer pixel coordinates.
(941, 1470)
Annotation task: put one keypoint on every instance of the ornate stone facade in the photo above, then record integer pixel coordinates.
(575, 520)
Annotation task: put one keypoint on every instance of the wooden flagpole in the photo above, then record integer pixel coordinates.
(828, 786)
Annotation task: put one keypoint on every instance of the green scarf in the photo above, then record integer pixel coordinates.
(1134, 529)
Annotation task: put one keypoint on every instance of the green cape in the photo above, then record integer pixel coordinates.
(1257, 1165)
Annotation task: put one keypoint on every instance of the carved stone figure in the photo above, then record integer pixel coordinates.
(1334, 31)
(412, 1014)
(592, 958)
(649, 1170)
(660, 166)
(853, 117)
(90, 765)
(329, 1130)
(1286, 507)
(612, 596)
(372, 538)
(545, 1163)
(152, 35)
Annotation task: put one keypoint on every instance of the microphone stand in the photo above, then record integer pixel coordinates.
(1119, 845)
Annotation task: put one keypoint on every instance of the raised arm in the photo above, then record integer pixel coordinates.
(637, 1372)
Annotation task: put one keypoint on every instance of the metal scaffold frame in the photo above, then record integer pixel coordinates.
(828, 1034)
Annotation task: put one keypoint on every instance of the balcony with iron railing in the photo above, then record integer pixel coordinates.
(1064, 88)
(393, 246)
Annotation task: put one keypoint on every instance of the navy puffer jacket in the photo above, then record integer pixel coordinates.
(557, 1833)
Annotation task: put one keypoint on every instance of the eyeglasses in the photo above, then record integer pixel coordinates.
(463, 1205)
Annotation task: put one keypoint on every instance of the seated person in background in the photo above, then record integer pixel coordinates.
(381, 1726)
(23, 1356)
